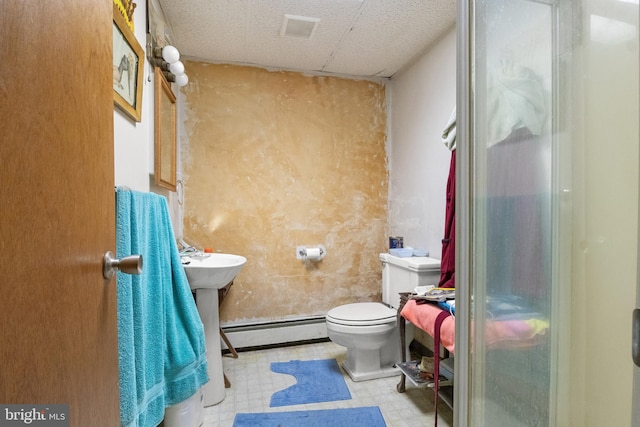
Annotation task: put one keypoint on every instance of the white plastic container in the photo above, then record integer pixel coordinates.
(188, 413)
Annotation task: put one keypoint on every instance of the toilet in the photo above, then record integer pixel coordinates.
(369, 330)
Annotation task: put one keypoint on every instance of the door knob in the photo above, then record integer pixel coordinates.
(131, 264)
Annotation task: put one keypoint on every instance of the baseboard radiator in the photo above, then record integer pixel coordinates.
(269, 334)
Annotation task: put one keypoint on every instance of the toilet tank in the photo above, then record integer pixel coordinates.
(405, 274)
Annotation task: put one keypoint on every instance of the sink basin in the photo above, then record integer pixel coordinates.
(212, 271)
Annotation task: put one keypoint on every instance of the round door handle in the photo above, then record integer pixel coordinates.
(131, 264)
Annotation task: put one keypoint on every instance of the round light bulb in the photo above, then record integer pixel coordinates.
(177, 68)
(170, 54)
(182, 80)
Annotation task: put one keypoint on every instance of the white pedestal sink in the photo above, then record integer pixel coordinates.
(206, 274)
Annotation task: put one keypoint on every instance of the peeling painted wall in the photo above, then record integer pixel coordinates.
(273, 160)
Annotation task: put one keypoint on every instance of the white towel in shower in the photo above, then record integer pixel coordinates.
(449, 132)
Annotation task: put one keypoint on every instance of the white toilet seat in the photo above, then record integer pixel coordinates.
(362, 314)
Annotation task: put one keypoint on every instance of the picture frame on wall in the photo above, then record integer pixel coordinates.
(128, 68)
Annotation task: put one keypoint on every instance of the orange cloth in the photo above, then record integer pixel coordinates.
(513, 333)
(424, 316)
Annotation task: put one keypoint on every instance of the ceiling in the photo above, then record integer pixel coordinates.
(363, 38)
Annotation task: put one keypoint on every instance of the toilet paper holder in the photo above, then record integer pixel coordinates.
(310, 253)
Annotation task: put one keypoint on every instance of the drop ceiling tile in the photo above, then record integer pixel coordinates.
(209, 29)
(354, 37)
(268, 47)
(390, 33)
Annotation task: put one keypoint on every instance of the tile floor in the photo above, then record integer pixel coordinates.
(253, 383)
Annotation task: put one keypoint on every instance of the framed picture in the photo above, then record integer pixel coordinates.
(128, 68)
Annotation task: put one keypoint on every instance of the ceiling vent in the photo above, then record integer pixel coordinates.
(301, 27)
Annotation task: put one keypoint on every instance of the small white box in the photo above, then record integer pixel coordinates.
(188, 413)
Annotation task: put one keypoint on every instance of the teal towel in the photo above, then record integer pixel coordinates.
(162, 353)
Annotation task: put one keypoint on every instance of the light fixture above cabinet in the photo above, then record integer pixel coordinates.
(167, 58)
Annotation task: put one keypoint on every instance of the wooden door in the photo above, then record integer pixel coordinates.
(58, 333)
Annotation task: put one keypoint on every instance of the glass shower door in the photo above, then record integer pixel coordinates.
(513, 113)
(548, 194)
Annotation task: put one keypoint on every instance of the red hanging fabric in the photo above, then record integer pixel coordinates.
(448, 261)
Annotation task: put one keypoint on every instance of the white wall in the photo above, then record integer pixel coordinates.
(133, 141)
(422, 97)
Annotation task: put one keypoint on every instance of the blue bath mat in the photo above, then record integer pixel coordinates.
(317, 381)
(369, 416)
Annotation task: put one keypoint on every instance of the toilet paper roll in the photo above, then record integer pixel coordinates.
(313, 253)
